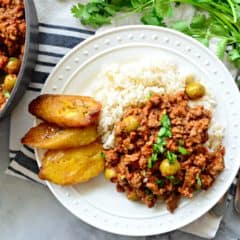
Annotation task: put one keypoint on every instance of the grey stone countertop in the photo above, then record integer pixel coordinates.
(29, 211)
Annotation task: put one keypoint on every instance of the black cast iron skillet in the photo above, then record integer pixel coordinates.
(29, 59)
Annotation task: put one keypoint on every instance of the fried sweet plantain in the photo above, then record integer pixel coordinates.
(72, 166)
(49, 136)
(66, 110)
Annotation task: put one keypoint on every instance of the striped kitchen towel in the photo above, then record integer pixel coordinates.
(54, 42)
(58, 33)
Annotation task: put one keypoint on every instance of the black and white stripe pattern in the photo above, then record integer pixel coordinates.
(54, 42)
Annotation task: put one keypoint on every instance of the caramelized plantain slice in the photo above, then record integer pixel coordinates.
(49, 136)
(72, 166)
(66, 110)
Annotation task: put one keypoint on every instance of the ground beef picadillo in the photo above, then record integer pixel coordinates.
(129, 158)
(12, 40)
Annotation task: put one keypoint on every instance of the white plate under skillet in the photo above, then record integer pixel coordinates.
(97, 202)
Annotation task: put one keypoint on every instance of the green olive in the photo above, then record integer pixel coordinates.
(9, 82)
(194, 90)
(168, 169)
(130, 123)
(110, 173)
(13, 65)
(132, 196)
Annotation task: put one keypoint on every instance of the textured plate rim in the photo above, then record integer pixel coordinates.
(118, 30)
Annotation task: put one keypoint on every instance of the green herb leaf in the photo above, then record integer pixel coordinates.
(218, 29)
(198, 21)
(120, 3)
(154, 157)
(170, 177)
(95, 13)
(149, 95)
(165, 121)
(161, 149)
(234, 55)
(221, 47)
(77, 10)
(204, 41)
(162, 132)
(177, 4)
(183, 150)
(222, 19)
(168, 133)
(6, 94)
(138, 3)
(123, 177)
(181, 26)
(199, 181)
(103, 155)
(148, 191)
(173, 180)
(161, 141)
(99, 20)
(159, 146)
(160, 182)
(110, 10)
(150, 163)
(171, 157)
(151, 19)
(92, 8)
(163, 8)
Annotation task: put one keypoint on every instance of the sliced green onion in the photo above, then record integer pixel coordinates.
(183, 150)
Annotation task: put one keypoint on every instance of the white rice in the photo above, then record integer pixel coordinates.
(120, 85)
(215, 133)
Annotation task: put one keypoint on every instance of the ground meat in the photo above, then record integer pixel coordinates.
(207, 181)
(135, 179)
(216, 163)
(130, 158)
(2, 99)
(172, 202)
(113, 158)
(189, 183)
(189, 127)
(154, 118)
(12, 37)
(12, 26)
(3, 60)
(200, 160)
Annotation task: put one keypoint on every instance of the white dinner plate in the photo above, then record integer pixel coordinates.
(97, 202)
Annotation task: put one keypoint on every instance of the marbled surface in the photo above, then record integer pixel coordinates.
(29, 211)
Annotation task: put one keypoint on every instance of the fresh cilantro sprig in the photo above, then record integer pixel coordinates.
(222, 21)
(95, 13)
(160, 146)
